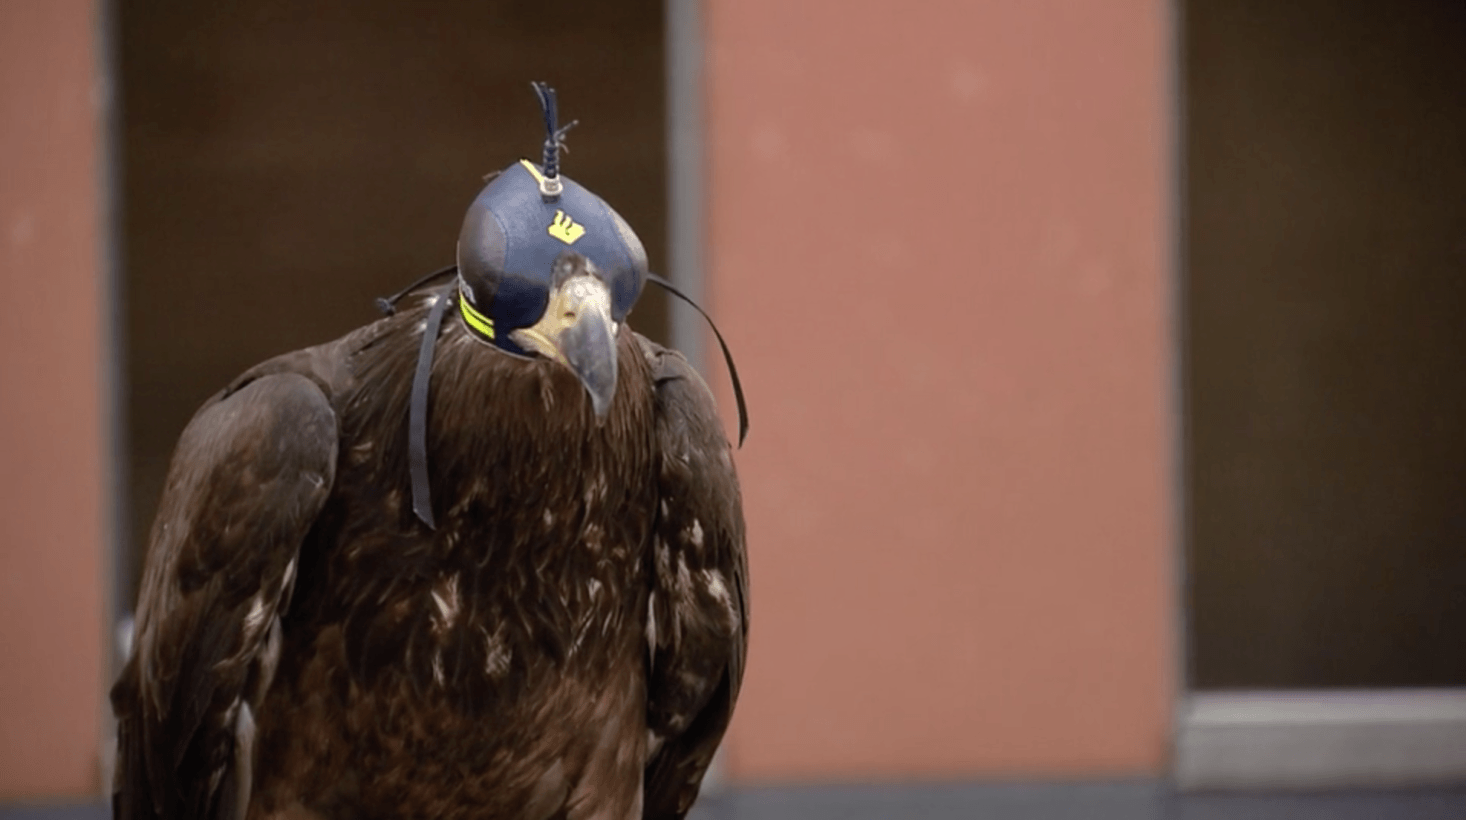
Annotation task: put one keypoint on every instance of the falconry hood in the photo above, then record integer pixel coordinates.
(545, 268)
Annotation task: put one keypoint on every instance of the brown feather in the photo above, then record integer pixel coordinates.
(700, 587)
(495, 667)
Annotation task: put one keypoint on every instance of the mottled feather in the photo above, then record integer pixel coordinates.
(504, 665)
(700, 602)
(249, 475)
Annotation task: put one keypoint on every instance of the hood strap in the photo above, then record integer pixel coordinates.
(417, 411)
(727, 356)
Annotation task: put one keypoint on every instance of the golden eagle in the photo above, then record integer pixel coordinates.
(522, 593)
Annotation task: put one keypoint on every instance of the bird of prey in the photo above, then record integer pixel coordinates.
(481, 558)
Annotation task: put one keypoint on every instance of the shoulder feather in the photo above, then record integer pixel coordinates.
(248, 477)
(698, 616)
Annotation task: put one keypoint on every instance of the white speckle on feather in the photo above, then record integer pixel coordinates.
(654, 745)
(445, 595)
(423, 325)
(438, 667)
(596, 491)
(549, 519)
(593, 537)
(289, 577)
(254, 620)
(651, 623)
(480, 486)
(716, 586)
(593, 588)
(664, 508)
(694, 533)
(496, 655)
(684, 575)
(580, 631)
(664, 560)
(218, 776)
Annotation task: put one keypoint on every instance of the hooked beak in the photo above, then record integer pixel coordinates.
(577, 331)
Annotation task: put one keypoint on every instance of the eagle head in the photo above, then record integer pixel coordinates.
(547, 268)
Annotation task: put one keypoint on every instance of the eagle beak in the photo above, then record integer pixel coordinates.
(589, 342)
(578, 332)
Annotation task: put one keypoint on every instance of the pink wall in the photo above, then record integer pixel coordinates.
(51, 448)
(938, 239)
(938, 242)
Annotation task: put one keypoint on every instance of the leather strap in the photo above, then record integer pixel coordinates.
(417, 412)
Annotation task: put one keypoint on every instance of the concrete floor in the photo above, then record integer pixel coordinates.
(1124, 800)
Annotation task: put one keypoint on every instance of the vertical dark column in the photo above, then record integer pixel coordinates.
(1327, 314)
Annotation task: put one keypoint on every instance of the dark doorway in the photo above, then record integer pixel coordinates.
(1325, 264)
(284, 163)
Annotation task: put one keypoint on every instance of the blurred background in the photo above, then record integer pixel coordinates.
(1104, 359)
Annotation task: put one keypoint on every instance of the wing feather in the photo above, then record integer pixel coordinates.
(249, 475)
(699, 605)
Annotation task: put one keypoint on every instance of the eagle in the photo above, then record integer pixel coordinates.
(483, 557)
